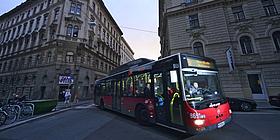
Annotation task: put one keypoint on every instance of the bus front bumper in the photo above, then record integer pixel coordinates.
(199, 130)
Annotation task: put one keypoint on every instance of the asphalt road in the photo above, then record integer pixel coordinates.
(83, 123)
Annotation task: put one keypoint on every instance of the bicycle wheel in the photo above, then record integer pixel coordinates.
(12, 114)
(27, 111)
(3, 118)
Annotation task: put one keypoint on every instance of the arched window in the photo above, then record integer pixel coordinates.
(69, 57)
(49, 57)
(246, 45)
(69, 30)
(276, 40)
(198, 49)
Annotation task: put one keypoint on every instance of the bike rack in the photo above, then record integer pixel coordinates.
(18, 115)
(33, 107)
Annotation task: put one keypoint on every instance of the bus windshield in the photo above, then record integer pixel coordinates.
(202, 88)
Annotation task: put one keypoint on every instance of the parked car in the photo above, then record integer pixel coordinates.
(242, 104)
(275, 100)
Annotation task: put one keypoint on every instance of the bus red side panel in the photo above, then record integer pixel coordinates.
(107, 101)
(129, 104)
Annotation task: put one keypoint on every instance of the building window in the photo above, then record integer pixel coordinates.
(93, 6)
(69, 30)
(34, 10)
(37, 61)
(75, 31)
(49, 3)
(24, 28)
(198, 49)
(238, 13)
(30, 25)
(276, 40)
(69, 58)
(82, 59)
(269, 7)
(26, 43)
(56, 13)
(72, 31)
(246, 45)
(49, 57)
(75, 8)
(18, 30)
(45, 19)
(97, 63)
(78, 9)
(89, 59)
(194, 22)
(28, 13)
(41, 6)
(37, 22)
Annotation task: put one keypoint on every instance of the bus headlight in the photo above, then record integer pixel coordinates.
(230, 111)
(199, 122)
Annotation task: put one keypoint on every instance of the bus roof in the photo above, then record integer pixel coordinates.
(127, 66)
(144, 63)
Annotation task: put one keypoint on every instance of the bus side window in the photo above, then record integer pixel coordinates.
(129, 86)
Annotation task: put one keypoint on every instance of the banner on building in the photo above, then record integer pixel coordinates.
(229, 54)
(65, 80)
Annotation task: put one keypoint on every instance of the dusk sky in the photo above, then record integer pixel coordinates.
(136, 14)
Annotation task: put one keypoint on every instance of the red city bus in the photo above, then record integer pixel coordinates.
(181, 92)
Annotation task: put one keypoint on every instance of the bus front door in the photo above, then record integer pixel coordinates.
(168, 98)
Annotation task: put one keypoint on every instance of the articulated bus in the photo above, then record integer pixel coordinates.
(180, 92)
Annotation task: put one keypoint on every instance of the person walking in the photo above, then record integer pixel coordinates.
(67, 96)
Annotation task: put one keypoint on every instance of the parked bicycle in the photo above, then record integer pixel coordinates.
(3, 115)
(11, 112)
(25, 109)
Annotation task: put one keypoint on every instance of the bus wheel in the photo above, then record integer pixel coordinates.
(142, 116)
(101, 106)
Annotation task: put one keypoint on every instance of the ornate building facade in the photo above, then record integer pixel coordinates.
(126, 52)
(243, 36)
(47, 46)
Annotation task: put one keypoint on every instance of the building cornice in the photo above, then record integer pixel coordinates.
(18, 8)
(183, 8)
(109, 14)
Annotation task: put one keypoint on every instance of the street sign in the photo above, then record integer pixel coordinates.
(65, 80)
(229, 54)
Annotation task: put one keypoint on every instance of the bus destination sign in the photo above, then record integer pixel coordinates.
(192, 62)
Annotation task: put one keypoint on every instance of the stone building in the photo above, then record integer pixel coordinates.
(47, 46)
(243, 36)
(126, 52)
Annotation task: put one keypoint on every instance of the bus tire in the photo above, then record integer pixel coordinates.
(142, 115)
(101, 106)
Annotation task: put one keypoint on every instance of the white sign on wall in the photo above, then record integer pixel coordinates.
(65, 80)
(229, 54)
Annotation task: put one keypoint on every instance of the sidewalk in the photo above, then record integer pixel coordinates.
(263, 104)
(61, 107)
